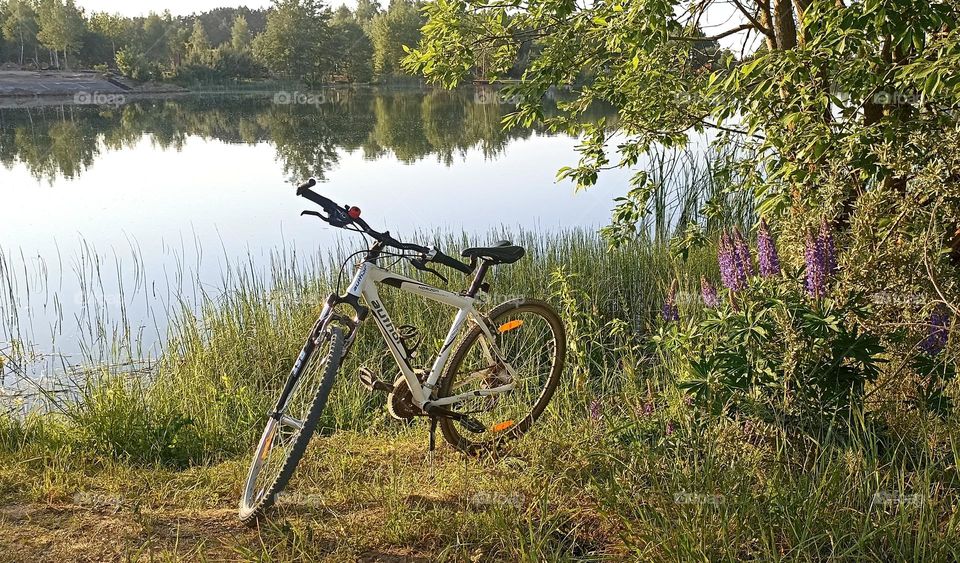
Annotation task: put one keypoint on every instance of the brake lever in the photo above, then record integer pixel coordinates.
(336, 222)
(418, 264)
(314, 213)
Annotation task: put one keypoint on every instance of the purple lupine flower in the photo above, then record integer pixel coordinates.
(767, 252)
(688, 400)
(731, 271)
(825, 238)
(595, 410)
(936, 339)
(670, 311)
(670, 427)
(741, 250)
(814, 257)
(709, 293)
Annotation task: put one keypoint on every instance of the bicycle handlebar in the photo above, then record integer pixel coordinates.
(341, 216)
(327, 204)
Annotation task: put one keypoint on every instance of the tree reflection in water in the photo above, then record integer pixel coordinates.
(62, 141)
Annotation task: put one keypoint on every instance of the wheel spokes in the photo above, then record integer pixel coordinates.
(523, 354)
(284, 427)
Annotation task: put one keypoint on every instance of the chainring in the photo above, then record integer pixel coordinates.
(400, 400)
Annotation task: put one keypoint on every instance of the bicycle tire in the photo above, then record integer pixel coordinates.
(251, 513)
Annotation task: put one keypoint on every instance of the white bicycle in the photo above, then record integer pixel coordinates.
(494, 385)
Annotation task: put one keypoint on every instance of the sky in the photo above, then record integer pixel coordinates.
(718, 18)
(176, 7)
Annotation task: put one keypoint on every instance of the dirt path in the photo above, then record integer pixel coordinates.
(354, 498)
(73, 533)
(62, 532)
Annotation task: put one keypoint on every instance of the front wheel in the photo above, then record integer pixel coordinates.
(289, 429)
(528, 349)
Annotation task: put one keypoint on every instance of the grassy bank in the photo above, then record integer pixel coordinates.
(620, 468)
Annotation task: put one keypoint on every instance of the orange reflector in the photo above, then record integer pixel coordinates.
(510, 326)
(502, 426)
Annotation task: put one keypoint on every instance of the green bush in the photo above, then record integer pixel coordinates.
(134, 64)
(218, 64)
(777, 355)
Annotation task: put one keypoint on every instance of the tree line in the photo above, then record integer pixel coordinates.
(302, 40)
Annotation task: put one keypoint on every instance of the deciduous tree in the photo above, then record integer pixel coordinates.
(294, 43)
(350, 47)
(61, 27)
(390, 32)
(20, 27)
(240, 34)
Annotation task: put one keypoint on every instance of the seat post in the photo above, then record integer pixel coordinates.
(478, 279)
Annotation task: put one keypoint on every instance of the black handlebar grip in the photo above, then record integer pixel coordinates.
(452, 262)
(306, 186)
(303, 190)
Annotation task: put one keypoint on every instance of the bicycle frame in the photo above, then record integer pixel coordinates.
(364, 285)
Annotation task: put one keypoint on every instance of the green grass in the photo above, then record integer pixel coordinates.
(204, 399)
(158, 461)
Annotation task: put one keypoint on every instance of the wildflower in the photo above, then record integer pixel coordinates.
(821, 259)
(670, 427)
(688, 400)
(647, 409)
(936, 339)
(742, 253)
(731, 268)
(670, 311)
(595, 410)
(816, 265)
(709, 293)
(767, 252)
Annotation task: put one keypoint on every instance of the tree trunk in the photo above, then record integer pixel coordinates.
(766, 20)
(786, 29)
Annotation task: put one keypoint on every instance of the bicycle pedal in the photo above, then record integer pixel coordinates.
(472, 425)
(371, 382)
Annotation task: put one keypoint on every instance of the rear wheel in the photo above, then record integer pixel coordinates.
(532, 345)
(287, 433)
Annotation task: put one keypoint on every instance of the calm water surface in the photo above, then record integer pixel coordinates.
(111, 212)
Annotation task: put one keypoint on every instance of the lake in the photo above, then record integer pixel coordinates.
(113, 212)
